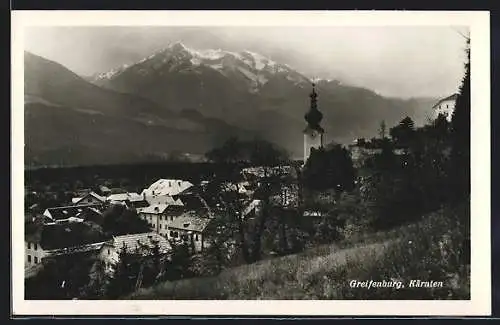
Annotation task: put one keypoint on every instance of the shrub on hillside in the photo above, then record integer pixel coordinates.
(436, 249)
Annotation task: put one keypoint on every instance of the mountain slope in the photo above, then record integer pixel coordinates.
(69, 121)
(50, 81)
(250, 91)
(181, 99)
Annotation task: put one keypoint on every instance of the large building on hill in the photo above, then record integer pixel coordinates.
(445, 106)
(313, 134)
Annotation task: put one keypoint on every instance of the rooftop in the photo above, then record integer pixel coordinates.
(132, 197)
(135, 241)
(154, 209)
(163, 199)
(449, 98)
(168, 187)
(176, 210)
(61, 236)
(188, 221)
(66, 212)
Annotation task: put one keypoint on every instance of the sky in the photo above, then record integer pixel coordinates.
(393, 61)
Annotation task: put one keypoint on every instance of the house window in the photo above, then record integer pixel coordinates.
(161, 218)
(171, 218)
(29, 258)
(171, 233)
(29, 245)
(36, 260)
(36, 246)
(160, 225)
(196, 237)
(108, 251)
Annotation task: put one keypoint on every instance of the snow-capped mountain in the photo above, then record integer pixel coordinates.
(249, 67)
(251, 91)
(188, 100)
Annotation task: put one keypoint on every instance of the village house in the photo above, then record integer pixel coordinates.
(445, 106)
(171, 213)
(153, 214)
(190, 228)
(50, 240)
(141, 243)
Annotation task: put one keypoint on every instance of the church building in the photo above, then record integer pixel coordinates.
(313, 133)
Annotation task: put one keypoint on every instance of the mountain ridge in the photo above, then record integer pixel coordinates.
(194, 100)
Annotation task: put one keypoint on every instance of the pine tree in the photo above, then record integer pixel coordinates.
(460, 133)
(382, 130)
(122, 281)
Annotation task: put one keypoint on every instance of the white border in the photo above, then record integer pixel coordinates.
(478, 22)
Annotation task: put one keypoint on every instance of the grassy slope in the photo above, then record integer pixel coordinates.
(416, 251)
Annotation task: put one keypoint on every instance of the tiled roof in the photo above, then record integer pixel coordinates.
(135, 241)
(168, 187)
(93, 194)
(118, 197)
(175, 210)
(154, 209)
(162, 199)
(61, 213)
(189, 222)
(77, 249)
(139, 204)
(132, 197)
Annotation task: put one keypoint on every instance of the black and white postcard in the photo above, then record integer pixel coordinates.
(250, 163)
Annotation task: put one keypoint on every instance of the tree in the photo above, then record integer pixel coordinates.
(460, 134)
(99, 281)
(382, 130)
(270, 160)
(125, 272)
(179, 266)
(329, 169)
(118, 220)
(229, 152)
(403, 133)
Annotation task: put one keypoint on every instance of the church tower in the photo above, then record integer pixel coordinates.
(313, 133)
